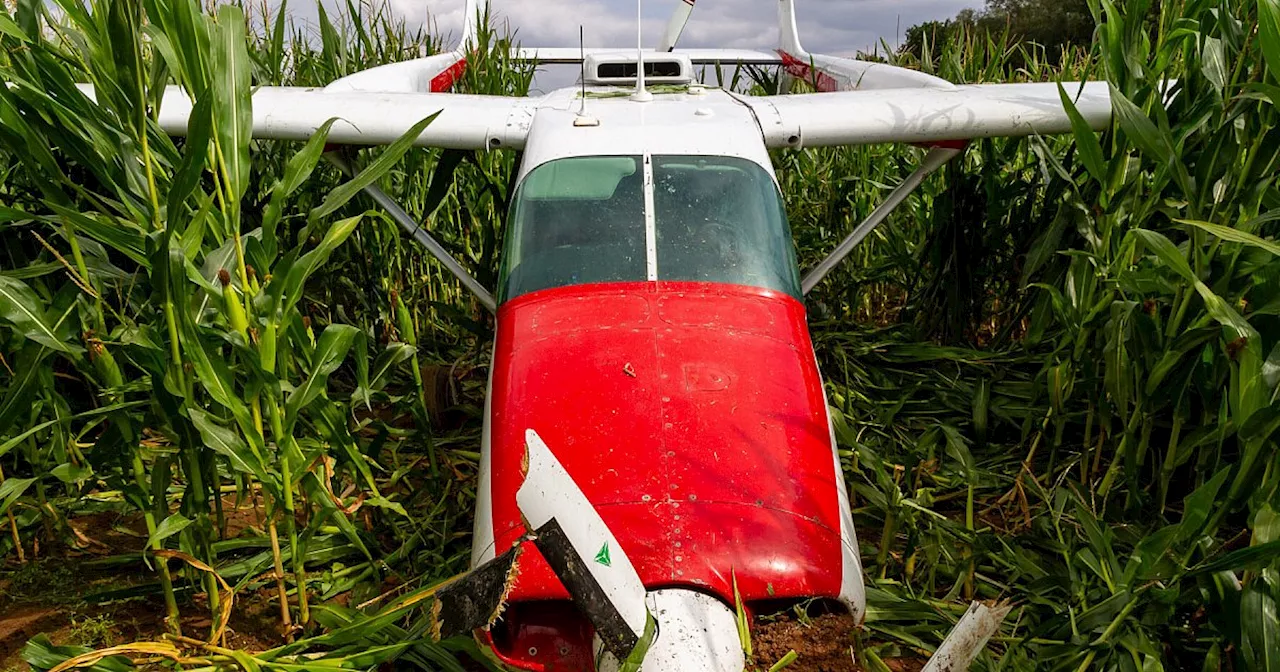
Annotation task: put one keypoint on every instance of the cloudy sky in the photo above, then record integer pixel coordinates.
(838, 27)
(828, 26)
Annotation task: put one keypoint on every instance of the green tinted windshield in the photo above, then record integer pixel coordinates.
(576, 221)
(719, 219)
(581, 220)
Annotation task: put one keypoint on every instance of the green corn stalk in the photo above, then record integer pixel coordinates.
(111, 377)
(409, 334)
(13, 529)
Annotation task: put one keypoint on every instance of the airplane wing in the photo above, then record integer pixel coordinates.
(574, 55)
(926, 115)
(372, 118)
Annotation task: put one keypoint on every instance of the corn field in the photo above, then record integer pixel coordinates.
(1054, 372)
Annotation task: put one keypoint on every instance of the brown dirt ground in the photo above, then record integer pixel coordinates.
(45, 595)
(824, 644)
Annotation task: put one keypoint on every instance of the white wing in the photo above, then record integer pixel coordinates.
(371, 118)
(926, 115)
(562, 55)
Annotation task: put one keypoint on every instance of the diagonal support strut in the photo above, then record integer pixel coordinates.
(413, 228)
(935, 159)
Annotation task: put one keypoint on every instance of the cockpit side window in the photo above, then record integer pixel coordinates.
(576, 221)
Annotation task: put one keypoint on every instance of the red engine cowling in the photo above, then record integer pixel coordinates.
(692, 416)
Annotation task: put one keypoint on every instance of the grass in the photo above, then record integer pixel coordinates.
(92, 631)
(1052, 372)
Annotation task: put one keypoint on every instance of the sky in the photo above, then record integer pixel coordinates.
(835, 27)
(826, 26)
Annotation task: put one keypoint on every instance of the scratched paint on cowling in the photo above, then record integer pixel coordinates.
(703, 461)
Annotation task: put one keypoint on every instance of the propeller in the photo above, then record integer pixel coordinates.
(585, 555)
(676, 25)
(581, 550)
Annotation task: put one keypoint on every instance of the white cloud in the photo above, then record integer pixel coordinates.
(830, 26)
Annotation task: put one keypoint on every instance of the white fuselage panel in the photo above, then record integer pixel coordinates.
(710, 123)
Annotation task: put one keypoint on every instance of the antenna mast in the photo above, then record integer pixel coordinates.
(582, 119)
(640, 95)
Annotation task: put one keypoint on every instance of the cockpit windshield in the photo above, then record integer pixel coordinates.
(582, 220)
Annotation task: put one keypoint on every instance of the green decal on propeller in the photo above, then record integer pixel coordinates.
(602, 556)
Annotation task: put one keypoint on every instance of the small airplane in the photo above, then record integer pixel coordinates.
(657, 450)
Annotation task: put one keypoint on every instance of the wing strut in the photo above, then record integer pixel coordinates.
(935, 159)
(419, 234)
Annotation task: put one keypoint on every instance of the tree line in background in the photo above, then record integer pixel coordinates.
(1052, 24)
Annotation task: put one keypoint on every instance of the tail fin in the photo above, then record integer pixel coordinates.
(475, 12)
(788, 34)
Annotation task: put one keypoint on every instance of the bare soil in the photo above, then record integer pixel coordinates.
(822, 643)
(46, 594)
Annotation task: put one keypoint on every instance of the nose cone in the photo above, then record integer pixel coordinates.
(696, 633)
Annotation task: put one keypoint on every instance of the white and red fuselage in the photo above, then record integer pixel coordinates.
(672, 374)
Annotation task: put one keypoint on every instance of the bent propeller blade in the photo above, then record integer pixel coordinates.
(584, 554)
(475, 599)
(676, 25)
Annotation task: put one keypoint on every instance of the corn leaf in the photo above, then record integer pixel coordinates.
(1138, 126)
(296, 173)
(171, 525)
(1234, 235)
(296, 277)
(374, 172)
(227, 443)
(232, 103)
(9, 27)
(23, 309)
(1260, 625)
(1224, 314)
(1086, 139)
(11, 490)
(330, 351)
(1269, 34)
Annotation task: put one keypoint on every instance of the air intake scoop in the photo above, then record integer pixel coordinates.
(620, 69)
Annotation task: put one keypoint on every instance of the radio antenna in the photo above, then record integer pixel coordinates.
(582, 119)
(640, 95)
(582, 66)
